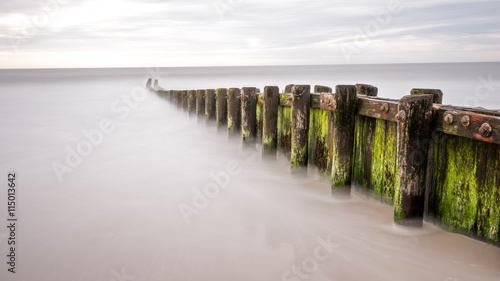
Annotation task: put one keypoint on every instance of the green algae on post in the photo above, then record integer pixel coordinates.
(300, 125)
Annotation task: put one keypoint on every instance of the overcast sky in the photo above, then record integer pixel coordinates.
(115, 33)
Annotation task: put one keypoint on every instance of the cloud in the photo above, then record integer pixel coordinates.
(249, 32)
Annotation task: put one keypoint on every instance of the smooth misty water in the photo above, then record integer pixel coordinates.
(116, 215)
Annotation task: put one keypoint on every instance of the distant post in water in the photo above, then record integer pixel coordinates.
(234, 112)
(200, 104)
(300, 125)
(414, 130)
(178, 96)
(270, 124)
(221, 108)
(192, 102)
(184, 100)
(210, 105)
(248, 115)
(343, 137)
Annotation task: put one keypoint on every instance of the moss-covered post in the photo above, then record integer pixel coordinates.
(221, 108)
(184, 100)
(414, 130)
(437, 98)
(210, 105)
(192, 102)
(363, 143)
(200, 104)
(343, 137)
(300, 125)
(270, 126)
(170, 95)
(234, 112)
(248, 116)
(178, 97)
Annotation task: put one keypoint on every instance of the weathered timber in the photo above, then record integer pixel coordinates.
(343, 137)
(221, 108)
(200, 104)
(454, 121)
(234, 112)
(322, 89)
(414, 131)
(248, 115)
(184, 100)
(363, 141)
(210, 106)
(321, 132)
(300, 125)
(379, 108)
(259, 126)
(437, 95)
(191, 102)
(270, 123)
(178, 96)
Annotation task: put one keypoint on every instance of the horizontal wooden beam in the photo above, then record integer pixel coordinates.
(379, 108)
(474, 123)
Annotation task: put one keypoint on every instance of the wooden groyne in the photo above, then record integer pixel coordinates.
(432, 161)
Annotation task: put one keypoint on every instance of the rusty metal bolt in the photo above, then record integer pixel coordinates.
(448, 119)
(401, 116)
(384, 107)
(485, 130)
(465, 120)
(290, 98)
(334, 105)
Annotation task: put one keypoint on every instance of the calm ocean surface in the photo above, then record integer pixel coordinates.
(113, 183)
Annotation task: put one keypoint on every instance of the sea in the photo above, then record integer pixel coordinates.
(104, 180)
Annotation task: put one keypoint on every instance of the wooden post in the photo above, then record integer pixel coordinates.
(170, 96)
(178, 97)
(288, 89)
(437, 98)
(221, 108)
(234, 112)
(414, 130)
(343, 137)
(300, 125)
(148, 85)
(200, 104)
(191, 102)
(437, 95)
(210, 105)
(248, 115)
(322, 89)
(270, 126)
(184, 100)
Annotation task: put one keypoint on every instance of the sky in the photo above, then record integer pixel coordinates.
(125, 33)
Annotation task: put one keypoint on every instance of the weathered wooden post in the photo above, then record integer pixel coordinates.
(414, 129)
(363, 142)
(437, 95)
(184, 95)
(191, 102)
(210, 105)
(178, 96)
(170, 96)
(248, 116)
(437, 98)
(221, 108)
(322, 89)
(343, 137)
(300, 125)
(200, 104)
(155, 84)
(148, 84)
(270, 126)
(234, 112)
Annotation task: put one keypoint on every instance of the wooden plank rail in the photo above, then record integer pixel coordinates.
(441, 161)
